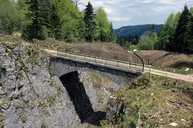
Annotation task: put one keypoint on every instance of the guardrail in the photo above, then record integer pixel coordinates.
(115, 60)
(110, 63)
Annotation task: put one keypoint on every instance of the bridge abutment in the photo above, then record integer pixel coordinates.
(61, 67)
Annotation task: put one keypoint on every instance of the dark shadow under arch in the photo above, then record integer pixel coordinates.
(80, 99)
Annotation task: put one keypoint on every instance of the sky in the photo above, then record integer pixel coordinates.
(136, 12)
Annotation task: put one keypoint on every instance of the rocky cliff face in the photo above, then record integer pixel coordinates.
(32, 97)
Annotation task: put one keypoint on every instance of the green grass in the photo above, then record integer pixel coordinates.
(2, 120)
(99, 81)
(159, 101)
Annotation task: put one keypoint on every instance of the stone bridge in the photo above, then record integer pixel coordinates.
(61, 66)
(64, 63)
(69, 68)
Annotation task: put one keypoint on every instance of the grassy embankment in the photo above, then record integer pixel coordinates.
(159, 102)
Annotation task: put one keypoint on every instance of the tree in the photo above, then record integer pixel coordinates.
(22, 10)
(190, 42)
(39, 12)
(90, 24)
(104, 29)
(112, 36)
(167, 31)
(56, 24)
(70, 20)
(148, 41)
(103, 26)
(182, 36)
(12, 16)
(191, 10)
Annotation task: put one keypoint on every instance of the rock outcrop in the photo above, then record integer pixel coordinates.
(32, 97)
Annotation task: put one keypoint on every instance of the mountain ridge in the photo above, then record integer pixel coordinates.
(132, 32)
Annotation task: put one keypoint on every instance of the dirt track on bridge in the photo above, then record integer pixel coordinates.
(187, 78)
(147, 69)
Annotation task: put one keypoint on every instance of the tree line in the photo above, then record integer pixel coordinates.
(59, 19)
(176, 34)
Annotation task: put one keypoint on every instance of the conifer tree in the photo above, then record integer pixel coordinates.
(182, 36)
(39, 11)
(190, 42)
(112, 36)
(167, 32)
(56, 24)
(90, 24)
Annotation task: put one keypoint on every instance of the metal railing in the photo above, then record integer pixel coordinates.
(110, 63)
(114, 60)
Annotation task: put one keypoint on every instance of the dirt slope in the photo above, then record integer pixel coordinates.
(174, 62)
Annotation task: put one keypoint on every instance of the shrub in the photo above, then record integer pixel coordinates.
(148, 41)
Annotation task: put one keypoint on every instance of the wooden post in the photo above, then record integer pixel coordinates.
(149, 70)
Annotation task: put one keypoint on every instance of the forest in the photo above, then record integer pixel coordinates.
(59, 19)
(134, 32)
(62, 20)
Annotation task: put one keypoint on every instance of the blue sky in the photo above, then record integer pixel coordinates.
(134, 12)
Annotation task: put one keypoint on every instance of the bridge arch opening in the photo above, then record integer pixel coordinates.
(80, 99)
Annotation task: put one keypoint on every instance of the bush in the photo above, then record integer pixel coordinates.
(148, 41)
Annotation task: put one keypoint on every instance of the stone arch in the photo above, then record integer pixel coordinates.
(61, 67)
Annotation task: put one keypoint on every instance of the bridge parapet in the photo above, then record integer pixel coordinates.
(108, 63)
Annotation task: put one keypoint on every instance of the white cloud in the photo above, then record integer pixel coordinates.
(132, 12)
(108, 10)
